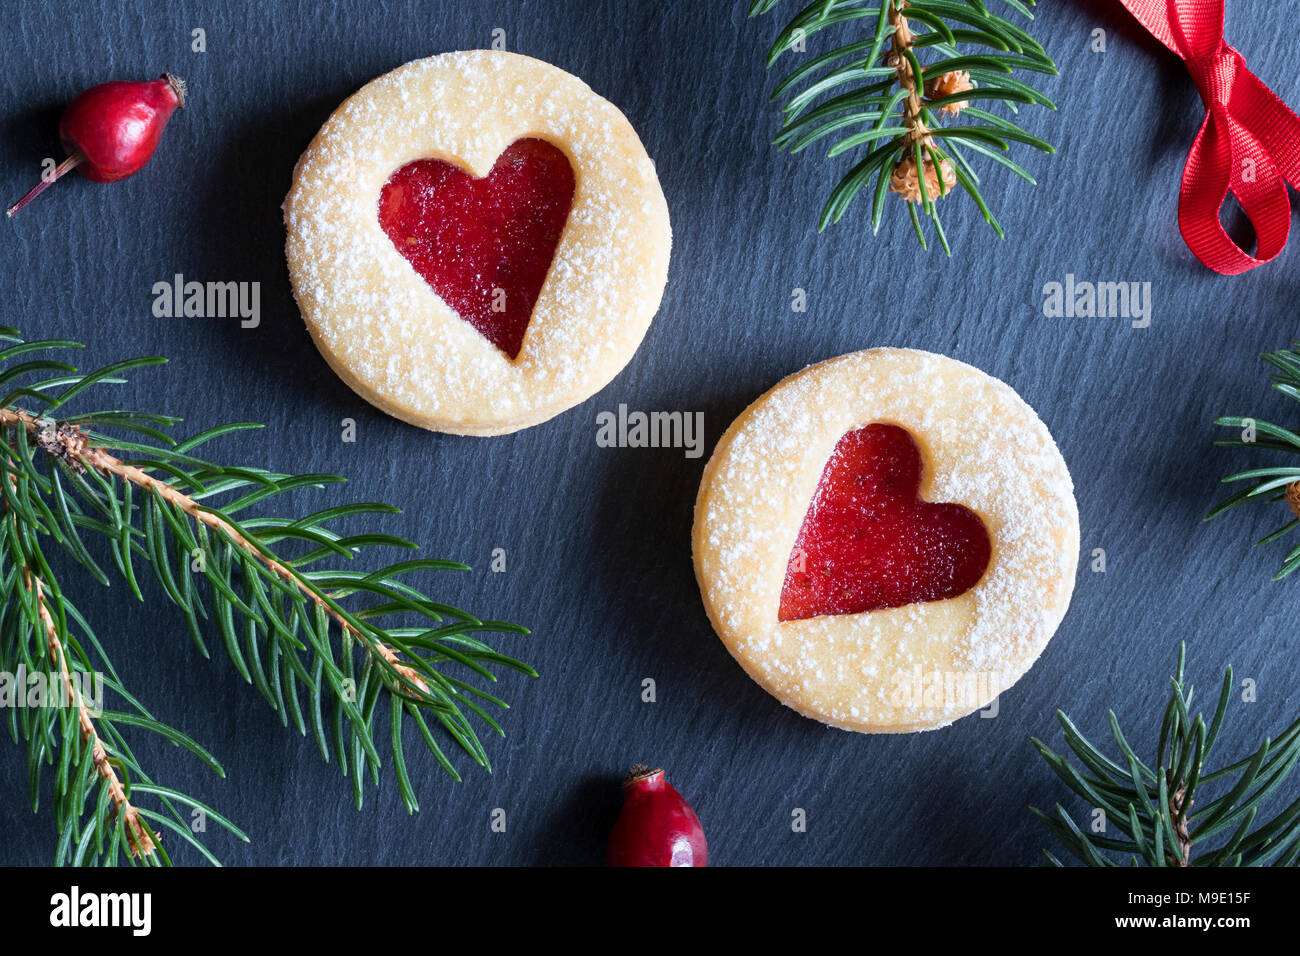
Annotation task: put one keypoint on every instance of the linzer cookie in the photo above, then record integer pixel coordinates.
(477, 241)
(887, 540)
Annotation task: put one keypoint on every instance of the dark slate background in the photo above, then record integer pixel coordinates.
(598, 540)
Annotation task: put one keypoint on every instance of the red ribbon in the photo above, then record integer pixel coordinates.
(1249, 142)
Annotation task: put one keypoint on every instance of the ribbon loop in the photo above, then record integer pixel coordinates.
(1249, 143)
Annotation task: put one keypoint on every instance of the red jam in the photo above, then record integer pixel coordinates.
(869, 542)
(484, 245)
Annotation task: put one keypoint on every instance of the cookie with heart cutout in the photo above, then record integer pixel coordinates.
(477, 241)
(887, 540)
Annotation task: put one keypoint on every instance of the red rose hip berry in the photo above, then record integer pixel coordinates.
(110, 131)
(656, 827)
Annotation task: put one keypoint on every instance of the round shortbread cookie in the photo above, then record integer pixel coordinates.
(900, 669)
(382, 327)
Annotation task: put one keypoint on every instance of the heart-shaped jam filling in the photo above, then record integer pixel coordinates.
(869, 542)
(484, 245)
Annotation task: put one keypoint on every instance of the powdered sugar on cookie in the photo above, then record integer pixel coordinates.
(907, 668)
(382, 327)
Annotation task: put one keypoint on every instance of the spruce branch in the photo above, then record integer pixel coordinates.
(1162, 815)
(62, 728)
(291, 628)
(140, 840)
(921, 60)
(68, 443)
(1275, 483)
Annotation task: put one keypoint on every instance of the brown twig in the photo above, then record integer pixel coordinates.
(1178, 816)
(69, 443)
(907, 179)
(900, 44)
(139, 840)
(138, 837)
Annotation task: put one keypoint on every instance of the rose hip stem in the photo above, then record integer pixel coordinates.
(111, 131)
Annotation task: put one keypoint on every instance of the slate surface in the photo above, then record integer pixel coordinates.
(597, 540)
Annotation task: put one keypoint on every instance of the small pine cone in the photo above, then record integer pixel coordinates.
(948, 84)
(904, 180)
(1293, 498)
